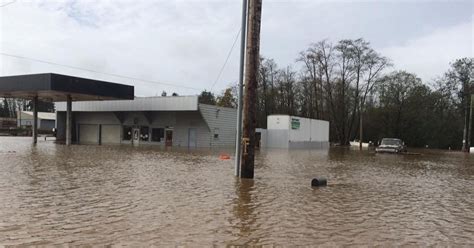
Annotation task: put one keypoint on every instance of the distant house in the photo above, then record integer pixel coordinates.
(46, 121)
(7, 123)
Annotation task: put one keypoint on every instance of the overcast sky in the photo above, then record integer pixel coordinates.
(186, 42)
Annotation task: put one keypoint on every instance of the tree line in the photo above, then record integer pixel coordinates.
(348, 83)
(9, 107)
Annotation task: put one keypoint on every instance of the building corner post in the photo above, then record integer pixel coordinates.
(469, 132)
(35, 120)
(68, 120)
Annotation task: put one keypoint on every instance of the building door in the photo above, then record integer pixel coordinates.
(192, 138)
(88, 134)
(110, 134)
(169, 138)
(136, 136)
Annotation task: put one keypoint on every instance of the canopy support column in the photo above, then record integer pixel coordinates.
(68, 120)
(35, 120)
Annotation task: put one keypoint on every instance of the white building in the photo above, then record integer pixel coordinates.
(284, 131)
(46, 121)
(171, 121)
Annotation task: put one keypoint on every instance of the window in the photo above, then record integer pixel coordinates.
(157, 134)
(127, 133)
(144, 133)
(216, 133)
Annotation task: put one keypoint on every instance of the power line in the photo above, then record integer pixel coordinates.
(99, 72)
(1, 6)
(227, 59)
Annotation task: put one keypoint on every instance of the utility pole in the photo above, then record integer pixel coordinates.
(465, 135)
(238, 140)
(469, 135)
(251, 71)
(360, 127)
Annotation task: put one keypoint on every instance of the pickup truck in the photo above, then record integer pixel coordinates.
(391, 145)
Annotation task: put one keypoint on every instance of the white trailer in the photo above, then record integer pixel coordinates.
(284, 131)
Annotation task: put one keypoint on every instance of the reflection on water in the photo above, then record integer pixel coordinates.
(121, 195)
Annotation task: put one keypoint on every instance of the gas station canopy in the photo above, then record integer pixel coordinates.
(56, 87)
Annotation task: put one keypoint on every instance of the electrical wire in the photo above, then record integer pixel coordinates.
(99, 72)
(227, 59)
(6, 4)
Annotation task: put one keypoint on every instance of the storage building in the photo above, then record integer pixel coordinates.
(46, 121)
(284, 131)
(171, 121)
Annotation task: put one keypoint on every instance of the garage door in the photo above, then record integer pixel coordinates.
(110, 134)
(89, 134)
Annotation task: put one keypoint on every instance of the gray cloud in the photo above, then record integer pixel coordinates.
(186, 42)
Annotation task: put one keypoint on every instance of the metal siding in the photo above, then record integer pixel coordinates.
(223, 118)
(30, 82)
(46, 125)
(96, 118)
(85, 86)
(170, 103)
(187, 120)
(110, 134)
(88, 134)
(55, 87)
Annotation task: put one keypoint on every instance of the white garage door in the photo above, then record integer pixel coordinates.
(89, 134)
(110, 134)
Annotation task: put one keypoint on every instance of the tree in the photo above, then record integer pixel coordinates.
(163, 93)
(461, 78)
(227, 99)
(207, 97)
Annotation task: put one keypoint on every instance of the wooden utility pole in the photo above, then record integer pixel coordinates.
(469, 132)
(251, 70)
(360, 128)
(465, 135)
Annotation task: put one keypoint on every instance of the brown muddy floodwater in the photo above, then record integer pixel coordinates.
(119, 195)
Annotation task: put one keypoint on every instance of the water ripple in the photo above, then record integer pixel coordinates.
(119, 195)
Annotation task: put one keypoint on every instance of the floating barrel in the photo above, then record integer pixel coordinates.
(318, 182)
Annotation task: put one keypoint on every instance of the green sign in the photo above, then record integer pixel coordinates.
(295, 123)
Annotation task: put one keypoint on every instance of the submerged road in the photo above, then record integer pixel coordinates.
(120, 195)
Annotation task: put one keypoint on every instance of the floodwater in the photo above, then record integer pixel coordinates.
(119, 195)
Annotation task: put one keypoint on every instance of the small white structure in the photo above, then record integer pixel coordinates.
(284, 131)
(46, 121)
